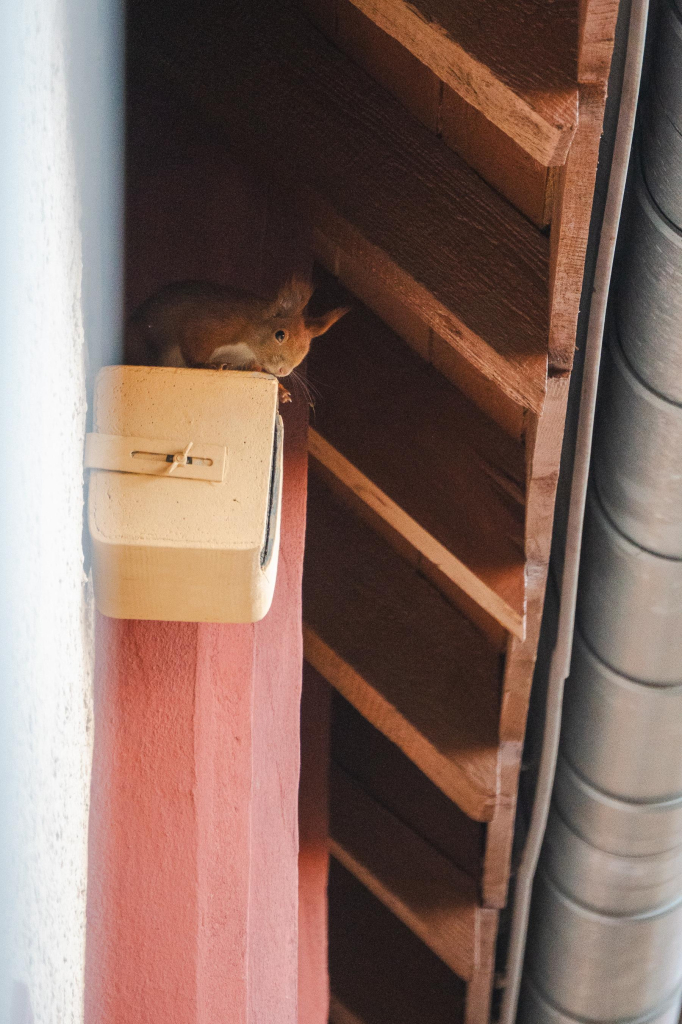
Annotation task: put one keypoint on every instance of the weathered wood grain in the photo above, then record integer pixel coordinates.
(511, 59)
(415, 544)
(571, 225)
(466, 776)
(480, 988)
(458, 255)
(377, 402)
(391, 63)
(545, 436)
(380, 972)
(497, 157)
(479, 389)
(407, 660)
(435, 899)
(394, 781)
(339, 1014)
(597, 30)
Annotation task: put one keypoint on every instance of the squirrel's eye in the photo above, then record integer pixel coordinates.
(280, 335)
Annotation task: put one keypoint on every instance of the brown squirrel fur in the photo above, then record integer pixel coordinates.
(200, 324)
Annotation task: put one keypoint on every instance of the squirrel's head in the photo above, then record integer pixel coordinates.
(285, 333)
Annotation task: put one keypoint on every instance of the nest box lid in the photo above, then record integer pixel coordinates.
(234, 409)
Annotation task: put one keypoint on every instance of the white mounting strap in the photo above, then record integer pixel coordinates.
(155, 457)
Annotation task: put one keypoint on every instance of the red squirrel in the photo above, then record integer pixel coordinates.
(199, 324)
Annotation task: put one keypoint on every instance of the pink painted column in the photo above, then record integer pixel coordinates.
(193, 855)
(194, 840)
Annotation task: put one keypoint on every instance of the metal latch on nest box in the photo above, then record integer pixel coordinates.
(157, 458)
(185, 493)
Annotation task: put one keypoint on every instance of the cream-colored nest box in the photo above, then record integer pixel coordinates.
(185, 493)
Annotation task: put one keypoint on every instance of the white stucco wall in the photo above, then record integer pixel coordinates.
(59, 160)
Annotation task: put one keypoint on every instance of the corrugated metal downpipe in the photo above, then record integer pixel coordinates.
(605, 932)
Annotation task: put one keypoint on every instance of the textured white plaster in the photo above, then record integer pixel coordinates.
(46, 646)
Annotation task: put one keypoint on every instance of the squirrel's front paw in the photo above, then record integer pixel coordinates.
(284, 395)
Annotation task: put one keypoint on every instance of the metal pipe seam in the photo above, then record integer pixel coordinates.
(626, 828)
(661, 150)
(534, 1007)
(649, 306)
(606, 882)
(638, 479)
(630, 603)
(593, 914)
(599, 709)
(621, 966)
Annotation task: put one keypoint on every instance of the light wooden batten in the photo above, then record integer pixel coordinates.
(364, 608)
(436, 900)
(519, 81)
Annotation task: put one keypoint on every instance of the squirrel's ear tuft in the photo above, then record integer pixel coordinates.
(320, 324)
(292, 298)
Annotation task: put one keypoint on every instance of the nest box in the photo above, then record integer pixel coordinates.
(185, 493)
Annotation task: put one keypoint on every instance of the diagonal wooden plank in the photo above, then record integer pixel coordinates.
(435, 899)
(459, 255)
(468, 775)
(427, 553)
(513, 60)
